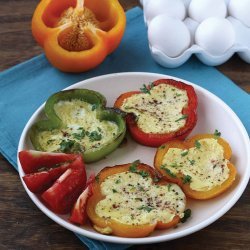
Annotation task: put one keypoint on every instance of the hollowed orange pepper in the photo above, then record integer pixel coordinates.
(77, 35)
(111, 226)
(179, 178)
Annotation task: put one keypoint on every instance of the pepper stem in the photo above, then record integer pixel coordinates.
(80, 4)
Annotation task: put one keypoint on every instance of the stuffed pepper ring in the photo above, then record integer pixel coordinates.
(130, 201)
(163, 111)
(78, 122)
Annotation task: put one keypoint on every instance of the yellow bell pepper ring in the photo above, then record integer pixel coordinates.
(77, 35)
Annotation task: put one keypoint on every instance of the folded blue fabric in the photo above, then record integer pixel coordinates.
(26, 86)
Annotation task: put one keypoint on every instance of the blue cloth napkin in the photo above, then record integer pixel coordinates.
(26, 86)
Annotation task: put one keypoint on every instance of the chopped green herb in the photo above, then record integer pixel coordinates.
(217, 134)
(184, 152)
(146, 208)
(174, 165)
(162, 146)
(94, 106)
(197, 144)
(77, 136)
(65, 146)
(177, 95)
(163, 166)
(133, 167)
(95, 136)
(97, 178)
(192, 162)
(170, 173)
(118, 181)
(146, 89)
(99, 129)
(143, 173)
(114, 190)
(187, 179)
(80, 135)
(50, 141)
(169, 187)
(70, 146)
(183, 117)
(187, 214)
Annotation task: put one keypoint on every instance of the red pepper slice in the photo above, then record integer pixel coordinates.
(59, 177)
(40, 181)
(79, 213)
(62, 195)
(156, 139)
(32, 160)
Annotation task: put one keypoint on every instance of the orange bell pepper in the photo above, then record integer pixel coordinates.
(179, 177)
(77, 35)
(115, 227)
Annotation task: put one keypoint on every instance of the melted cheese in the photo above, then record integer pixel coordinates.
(78, 116)
(160, 111)
(135, 200)
(205, 165)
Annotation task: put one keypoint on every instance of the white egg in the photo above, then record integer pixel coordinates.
(215, 35)
(173, 8)
(199, 10)
(240, 9)
(169, 34)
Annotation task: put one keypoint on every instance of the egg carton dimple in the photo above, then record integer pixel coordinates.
(241, 45)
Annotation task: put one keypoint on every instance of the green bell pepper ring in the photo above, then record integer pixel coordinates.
(78, 122)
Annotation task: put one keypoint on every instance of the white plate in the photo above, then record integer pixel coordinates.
(212, 114)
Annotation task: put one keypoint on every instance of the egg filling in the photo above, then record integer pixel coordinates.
(82, 132)
(135, 200)
(159, 110)
(203, 166)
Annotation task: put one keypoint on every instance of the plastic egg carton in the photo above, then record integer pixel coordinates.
(241, 45)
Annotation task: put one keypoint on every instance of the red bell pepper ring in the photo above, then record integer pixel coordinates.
(157, 139)
(79, 213)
